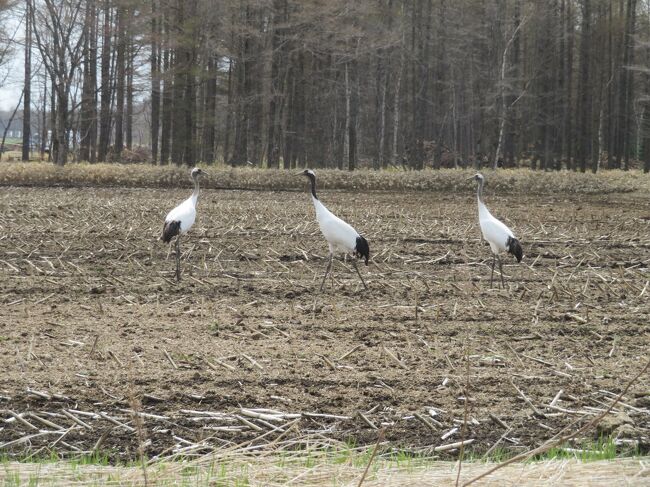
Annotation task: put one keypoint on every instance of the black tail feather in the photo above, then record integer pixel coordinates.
(362, 249)
(170, 230)
(514, 247)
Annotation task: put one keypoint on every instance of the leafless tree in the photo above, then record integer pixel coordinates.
(59, 34)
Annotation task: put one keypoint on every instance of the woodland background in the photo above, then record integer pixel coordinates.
(557, 84)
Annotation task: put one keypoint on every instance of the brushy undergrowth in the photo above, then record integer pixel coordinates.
(221, 177)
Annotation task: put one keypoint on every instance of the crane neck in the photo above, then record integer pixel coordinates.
(483, 212)
(312, 181)
(479, 192)
(195, 193)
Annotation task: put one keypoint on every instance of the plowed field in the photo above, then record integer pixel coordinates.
(93, 324)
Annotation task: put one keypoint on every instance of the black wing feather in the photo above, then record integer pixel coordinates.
(362, 249)
(170, 230)
(514, 247)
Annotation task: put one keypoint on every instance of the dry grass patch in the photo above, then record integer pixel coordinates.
(275, 471)
(141, 175)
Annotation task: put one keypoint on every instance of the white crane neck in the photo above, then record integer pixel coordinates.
(316, 201)
(482, 209)
(479, 191)
(195, 193)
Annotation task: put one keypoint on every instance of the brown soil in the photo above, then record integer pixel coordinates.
(89, 311)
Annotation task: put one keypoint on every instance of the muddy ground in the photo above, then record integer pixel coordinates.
(93, 325)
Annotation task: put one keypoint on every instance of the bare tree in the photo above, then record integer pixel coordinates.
(59, 37)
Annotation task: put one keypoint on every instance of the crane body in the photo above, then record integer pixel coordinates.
(340, 235)
(180, 219)
(495, 232)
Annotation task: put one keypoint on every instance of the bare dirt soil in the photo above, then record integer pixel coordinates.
(93, 325)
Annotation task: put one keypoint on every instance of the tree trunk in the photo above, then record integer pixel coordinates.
(189, 109)
(584, 141)
(120, 81)
(128, 130)
(209, 124)
(155, 79)
(629, 84)
(272, 149)
(396, 106)
(243, 73)
(62, 125)
(167, 97)
(354, 114)
(277, 61)
(105, 108)
(180, 130)
(504, 106)
(27, 89)
(88, 121)
(346, 141)
(381, 159)
(229, 108)
(44, 127)
(9, 122)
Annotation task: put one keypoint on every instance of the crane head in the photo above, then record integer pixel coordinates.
(307, 172)
(196, 172)
(477, 177)
(312, 180)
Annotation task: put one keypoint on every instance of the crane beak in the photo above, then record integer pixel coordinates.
(470, 178)
(301, 173)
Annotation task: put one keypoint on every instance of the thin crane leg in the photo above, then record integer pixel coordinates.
(327, 271)
(494, 257)
(503, 284)
(354, 263)
(178, 258)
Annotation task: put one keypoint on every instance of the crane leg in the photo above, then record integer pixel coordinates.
(327, 270)
(354, 263)
(178, 258)
(494, 258)
(503, 284)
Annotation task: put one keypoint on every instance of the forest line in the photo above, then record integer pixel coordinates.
(340, 84)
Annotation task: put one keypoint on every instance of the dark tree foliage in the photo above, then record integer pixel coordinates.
(371, 83)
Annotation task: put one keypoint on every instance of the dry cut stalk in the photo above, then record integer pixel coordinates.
(425, 421)
(76, 420)
(169, 357)
(20, 419)
(561, 439)
(394, 357)
(346, 354)
(223, 364)
(252, 361)
(528, 401)
(453, 446)
(116, 422)
(366, 420)
(380, 438)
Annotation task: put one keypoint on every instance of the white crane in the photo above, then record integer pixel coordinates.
(180, 219)
(495, 232)
(340, 236)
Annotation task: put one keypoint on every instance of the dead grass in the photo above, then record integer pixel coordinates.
(140, 175)
(307, 471)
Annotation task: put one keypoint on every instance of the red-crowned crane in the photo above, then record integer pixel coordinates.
(495, 232)
(180, 219)
(340, 236)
